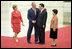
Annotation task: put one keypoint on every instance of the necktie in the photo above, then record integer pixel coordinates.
(34, 12)
(40, 12)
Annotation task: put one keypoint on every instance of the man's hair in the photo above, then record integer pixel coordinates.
(42, 5)
(55, 11)
(32, 3)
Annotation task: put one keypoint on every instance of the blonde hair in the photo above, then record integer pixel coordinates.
(14, 6)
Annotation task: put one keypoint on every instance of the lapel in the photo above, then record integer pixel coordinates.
(42, 12)
(33, 11)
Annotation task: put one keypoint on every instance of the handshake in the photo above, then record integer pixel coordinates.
(34, 21)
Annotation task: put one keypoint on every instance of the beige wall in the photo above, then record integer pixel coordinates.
(67, 13)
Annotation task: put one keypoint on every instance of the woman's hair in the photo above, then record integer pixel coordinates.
(14, 6)
(55, 11)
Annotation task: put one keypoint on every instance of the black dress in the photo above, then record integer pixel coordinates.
(53, 34)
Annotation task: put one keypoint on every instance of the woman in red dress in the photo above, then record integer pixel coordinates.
(16, 19)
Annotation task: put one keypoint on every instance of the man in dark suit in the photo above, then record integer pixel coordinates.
(32, 16)
(41, 22)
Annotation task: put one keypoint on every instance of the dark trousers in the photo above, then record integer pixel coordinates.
(30, 31)
(41, 33)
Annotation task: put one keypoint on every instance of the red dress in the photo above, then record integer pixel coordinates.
(16, 19)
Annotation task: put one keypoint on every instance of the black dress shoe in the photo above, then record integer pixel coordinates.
(36, 42)
(29, 41)
(41, 43)
(53, 45)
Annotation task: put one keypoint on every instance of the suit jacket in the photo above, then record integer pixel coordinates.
(41, 20)
(16, 17)
(31, 15)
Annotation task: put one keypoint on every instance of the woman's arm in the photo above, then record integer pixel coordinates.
(12, 20)
(21, 18)
(55, 23)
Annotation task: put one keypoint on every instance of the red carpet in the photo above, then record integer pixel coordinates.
(63, 41)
